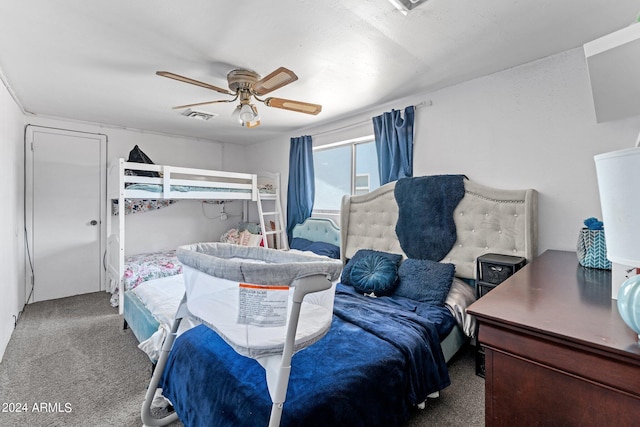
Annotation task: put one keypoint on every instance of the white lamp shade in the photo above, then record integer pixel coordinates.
(246, 113)
(619, 181)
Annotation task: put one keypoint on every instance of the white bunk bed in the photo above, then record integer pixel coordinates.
(124, 182)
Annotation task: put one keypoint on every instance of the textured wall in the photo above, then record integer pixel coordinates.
(11, 215)
(532, 126)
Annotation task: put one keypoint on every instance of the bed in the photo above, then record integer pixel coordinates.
(383, 355)
(150, 305)
(138, 187)
(487, 220)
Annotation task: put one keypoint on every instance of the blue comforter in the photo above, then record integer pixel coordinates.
(380, 357)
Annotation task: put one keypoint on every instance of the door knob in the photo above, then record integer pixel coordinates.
(93, 222)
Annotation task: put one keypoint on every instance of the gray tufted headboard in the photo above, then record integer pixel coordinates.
(488, 220)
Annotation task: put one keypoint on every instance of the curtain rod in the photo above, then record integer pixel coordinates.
(418, 105)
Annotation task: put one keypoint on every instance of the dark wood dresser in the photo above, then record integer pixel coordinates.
(556, 350)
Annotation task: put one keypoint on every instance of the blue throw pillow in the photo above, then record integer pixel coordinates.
(425, 280)
(374, 274)
(345, 279)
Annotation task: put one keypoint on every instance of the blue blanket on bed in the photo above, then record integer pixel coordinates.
(425, 227)
(381, 356)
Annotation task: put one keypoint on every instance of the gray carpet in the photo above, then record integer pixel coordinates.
(69, 363)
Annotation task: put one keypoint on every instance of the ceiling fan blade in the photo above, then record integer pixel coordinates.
(252, 124)
(179, 107)
(287, 104)
(273, 81)
(193, 82)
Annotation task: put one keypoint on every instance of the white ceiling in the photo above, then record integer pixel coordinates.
(95, 61)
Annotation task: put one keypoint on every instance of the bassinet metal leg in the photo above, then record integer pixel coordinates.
(303, 286)
(145, 413)
(276, 414)
(282, 382)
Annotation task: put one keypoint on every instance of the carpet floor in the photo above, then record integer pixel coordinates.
(70, 363)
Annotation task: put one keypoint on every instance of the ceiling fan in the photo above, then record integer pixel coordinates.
(245, 85)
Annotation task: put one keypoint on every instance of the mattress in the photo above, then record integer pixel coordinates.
(138, 318)
(158, 188)
(149, 310)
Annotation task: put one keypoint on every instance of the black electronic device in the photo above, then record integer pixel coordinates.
(491, 270)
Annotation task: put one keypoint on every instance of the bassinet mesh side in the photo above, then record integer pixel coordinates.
(213, 273)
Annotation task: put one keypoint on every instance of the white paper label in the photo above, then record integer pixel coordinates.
(263, 305)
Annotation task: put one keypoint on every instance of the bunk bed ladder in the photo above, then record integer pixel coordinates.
(272, 222)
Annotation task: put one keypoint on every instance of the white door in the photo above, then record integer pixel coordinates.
(64, 193)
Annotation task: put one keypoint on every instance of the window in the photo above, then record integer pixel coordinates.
(348, 167)
(362, 183)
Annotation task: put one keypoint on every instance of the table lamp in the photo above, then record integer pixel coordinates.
(618, 175)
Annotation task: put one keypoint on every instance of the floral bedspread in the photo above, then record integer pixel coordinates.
(142, 267)
(135, 206)
(148, 266)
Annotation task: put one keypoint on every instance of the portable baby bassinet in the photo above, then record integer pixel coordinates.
(266, 304)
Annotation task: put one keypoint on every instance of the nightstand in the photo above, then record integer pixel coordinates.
(557, 350)
(491, 270)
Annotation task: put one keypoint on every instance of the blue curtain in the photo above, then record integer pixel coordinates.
(394, 144)
(301, 188)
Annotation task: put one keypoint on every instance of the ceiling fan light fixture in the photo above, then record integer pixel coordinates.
(256, 116)
(248, 115)
(253, 123)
